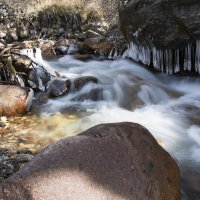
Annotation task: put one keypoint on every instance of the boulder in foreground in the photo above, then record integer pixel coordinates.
(108, 161)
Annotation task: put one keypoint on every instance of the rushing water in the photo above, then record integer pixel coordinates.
(169, 107)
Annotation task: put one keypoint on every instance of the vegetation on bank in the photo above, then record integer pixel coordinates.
(56, 9)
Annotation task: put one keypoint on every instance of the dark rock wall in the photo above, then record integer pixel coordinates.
(168, 30)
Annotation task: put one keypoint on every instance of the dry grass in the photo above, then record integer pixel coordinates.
(40, 5)
(83, 6)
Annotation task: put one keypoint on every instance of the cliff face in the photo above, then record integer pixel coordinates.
(167, 33)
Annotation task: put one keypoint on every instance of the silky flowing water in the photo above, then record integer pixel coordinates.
(169, 107)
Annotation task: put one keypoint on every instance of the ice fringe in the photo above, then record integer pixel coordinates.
(167, 60)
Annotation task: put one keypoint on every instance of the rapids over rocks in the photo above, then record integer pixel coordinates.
(168, 106)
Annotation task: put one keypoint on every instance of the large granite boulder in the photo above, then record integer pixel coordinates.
(14, 100)
(165, 33)
(108, 161)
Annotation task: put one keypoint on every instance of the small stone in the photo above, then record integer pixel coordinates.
(3, 158)
(2, 124)
(21, 158)
(2, 35)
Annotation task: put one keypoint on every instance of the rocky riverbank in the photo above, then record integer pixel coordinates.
(33, 41)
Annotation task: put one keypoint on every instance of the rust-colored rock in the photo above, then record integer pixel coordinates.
(62, 42)
(47, 49)
(14, 100)
(108, 161)
(98, 43)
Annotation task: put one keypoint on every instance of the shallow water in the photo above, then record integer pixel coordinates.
(169, 107)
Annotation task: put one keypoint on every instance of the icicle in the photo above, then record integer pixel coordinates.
(125, 54)
(157, 59)
(166, 61)
(110, 55)
(154, 57)
(197, 56)
(133, 52)
(144, 55)
(187, 58)
(170, 63)
(177, 64)
(161, 61)
(115, 54)
(147, 53)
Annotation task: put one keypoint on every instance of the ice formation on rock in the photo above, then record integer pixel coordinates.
(168, 60)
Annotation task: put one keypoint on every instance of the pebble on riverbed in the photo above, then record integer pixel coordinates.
(12, 161)
(2, 124)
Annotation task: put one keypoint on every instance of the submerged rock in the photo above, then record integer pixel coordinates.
(87, 92)
(98, 43)
(80, 82)
(58, 87)
(14, 100)
(108, 161)
(95, 94)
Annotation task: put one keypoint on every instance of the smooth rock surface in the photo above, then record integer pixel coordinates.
(98, 43)
(14, 100)
(108, 161)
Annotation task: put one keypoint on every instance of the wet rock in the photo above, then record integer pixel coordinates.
(42, 96)
(14, 100)
(22, 64)
(62, 42)
(62, 46)
(108, 161)
(58, 87)
(80, 82)
(83, 57)
(88, 85)
(94, 94)
(47, 49)
(38, 79)
(98, 43)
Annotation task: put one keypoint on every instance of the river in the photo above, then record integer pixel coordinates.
(168, 106)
